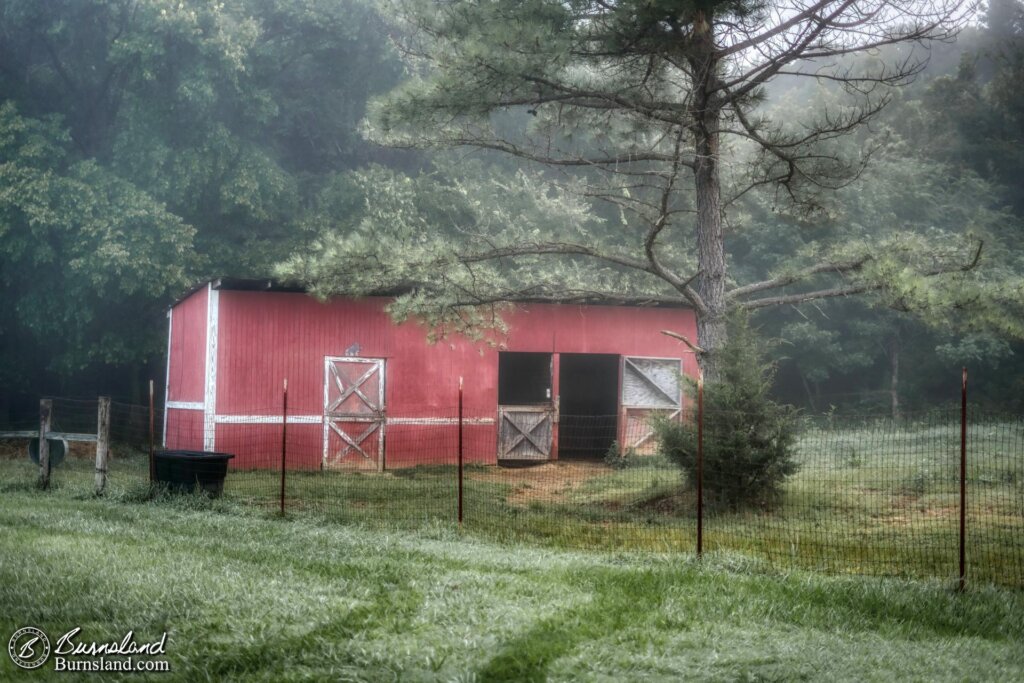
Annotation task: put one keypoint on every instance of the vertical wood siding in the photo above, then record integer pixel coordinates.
(265, 337)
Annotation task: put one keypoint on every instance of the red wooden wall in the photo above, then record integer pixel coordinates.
(186, 371)
(265, 337)
(188, 349)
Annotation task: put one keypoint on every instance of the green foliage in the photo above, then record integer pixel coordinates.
(618, 458)
(82, 249)
(748, 438)
(913, 206)
(144, 145)
(423, 238)
(564, 84)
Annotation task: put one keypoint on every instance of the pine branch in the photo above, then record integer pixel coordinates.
(839, 268)
(856, 288)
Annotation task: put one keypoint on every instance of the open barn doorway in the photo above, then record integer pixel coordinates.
(525, 408)
(588, 389)
(524, 379)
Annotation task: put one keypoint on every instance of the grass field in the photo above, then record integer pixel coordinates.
(244, 596)
(866, 500)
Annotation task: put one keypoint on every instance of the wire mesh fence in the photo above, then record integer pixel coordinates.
(73, 432)
(866, 495)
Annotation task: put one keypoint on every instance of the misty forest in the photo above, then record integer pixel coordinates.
(854, 187)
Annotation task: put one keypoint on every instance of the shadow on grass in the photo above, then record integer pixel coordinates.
(619, 600)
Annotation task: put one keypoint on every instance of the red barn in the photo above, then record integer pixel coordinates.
(366, 392)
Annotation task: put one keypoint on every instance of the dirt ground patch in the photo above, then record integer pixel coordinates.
(17, 449)
(549, 482)
(909, 515)
(13, 449)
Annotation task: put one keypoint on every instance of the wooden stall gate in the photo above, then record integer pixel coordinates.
(650, 386)
(354, 413)
(525, 432)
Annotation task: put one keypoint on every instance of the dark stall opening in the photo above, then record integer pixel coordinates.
(524, 379)
(588, 389)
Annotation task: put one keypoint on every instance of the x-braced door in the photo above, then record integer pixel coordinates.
(524, 433)
(354, 413)
(650, 386)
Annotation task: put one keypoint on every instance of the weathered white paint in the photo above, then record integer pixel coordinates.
(183, 405)
(368, 411)
(439, 420)
(318, 419)
(644, 420)
(651, 382)
(268, 419)
(167, 375)
(210, 393)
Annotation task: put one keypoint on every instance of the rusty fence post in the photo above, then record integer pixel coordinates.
(963, 481)
(460, 452)
(45, 420)
(152, 461)
(700, 463)
(284, 440)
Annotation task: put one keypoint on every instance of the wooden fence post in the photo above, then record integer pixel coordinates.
(102, 443)
(45, 420)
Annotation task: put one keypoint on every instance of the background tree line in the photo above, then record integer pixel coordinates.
(146, 145)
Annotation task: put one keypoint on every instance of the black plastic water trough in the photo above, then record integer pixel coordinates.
(184, 470)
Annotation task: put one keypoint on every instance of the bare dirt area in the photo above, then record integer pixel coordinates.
(549, 482)
(910, 516)
(16, 449)
(13, 449)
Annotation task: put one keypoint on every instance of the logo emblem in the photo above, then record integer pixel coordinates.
(29, 647)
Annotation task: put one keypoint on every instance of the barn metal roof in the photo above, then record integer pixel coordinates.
(241, 284)
(271, 285)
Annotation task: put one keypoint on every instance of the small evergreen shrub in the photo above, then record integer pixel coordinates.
(748, 438)
(618, 458)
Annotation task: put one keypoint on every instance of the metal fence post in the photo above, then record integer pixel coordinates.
(152, 462)
(284, 440)
(963, 480)
(102, 443)
(460, 452)
(700, 463)
(45, 419)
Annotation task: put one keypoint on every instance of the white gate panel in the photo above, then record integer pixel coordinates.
(650, 387)
(354, 413)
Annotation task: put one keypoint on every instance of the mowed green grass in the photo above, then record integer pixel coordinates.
(866, 500)
(246, 596)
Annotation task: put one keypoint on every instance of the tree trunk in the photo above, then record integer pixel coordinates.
(711, 325)
(811, 396)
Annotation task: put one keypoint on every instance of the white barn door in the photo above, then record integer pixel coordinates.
(650, 386)
(354, 414)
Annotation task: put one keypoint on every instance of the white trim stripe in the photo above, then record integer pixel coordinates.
(210, 392)
(319, 419)
(440, 420)
(167, 377)
(183, 405)
(268, 419)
